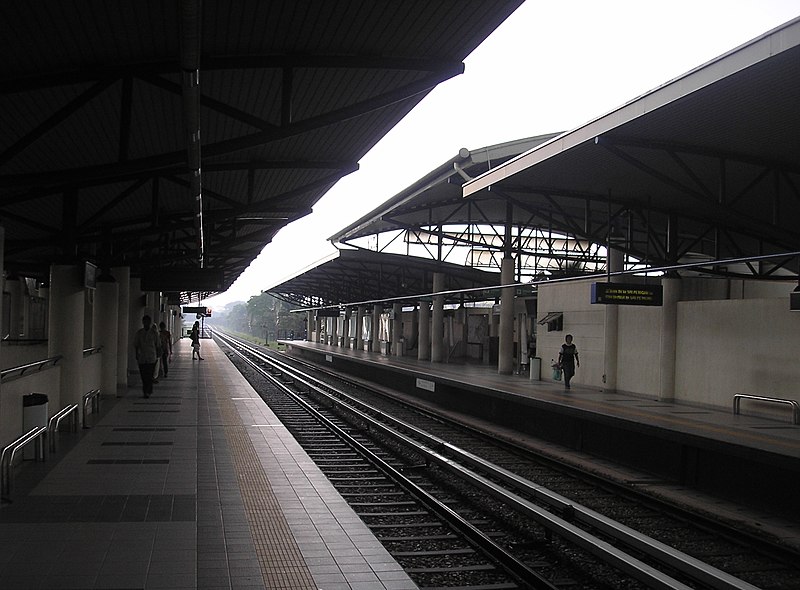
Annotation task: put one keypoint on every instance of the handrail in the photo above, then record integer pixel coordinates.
(71, 412)
(738, 397)
(91, 351)
(16, 372)
(7, 456)
(92, 396)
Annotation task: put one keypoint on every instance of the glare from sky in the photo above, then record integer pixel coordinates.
(551, 66)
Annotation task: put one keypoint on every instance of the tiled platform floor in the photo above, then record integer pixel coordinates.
(198, 486)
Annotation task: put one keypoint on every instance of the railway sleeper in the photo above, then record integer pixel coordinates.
(417, 538)
(483, 567)
(385, 504)
(436, 553)
(377, 486)
(372, 494)
(406, 525)
(362, 480)
(393, 514)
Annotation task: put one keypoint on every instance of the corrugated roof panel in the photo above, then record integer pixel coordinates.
(112, 148)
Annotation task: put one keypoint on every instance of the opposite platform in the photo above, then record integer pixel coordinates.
(198, 486)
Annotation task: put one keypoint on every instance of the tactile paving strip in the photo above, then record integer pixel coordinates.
(282, 564)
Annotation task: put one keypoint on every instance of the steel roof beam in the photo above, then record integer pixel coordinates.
(94, 72)
(111, 172)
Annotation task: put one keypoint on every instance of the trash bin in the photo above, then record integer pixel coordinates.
(34, 413)
(536, 369)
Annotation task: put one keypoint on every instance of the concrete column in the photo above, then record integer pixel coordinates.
(66, 330)
(104, 331)
(376, 324)
(494, 324)
(2, 272)
(437, 323)
(153, 306)
(335, 331)
(137, 307)
(348, 312)
(14, 288)
(359, 335)
(88, 318)
(309, 326)
(505, 360)
(319, 324)
(122, 275)
(397, 329)
(424, 340)
(669, 333)
(414, 336)
(616, 262)
(177, 323)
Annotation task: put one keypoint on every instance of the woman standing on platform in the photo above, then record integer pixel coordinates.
(568, 359)
(194, 335)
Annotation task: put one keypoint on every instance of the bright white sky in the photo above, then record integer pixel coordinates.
(552, 66)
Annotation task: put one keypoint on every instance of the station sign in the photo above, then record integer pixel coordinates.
(794, 300)
(201, 311)
(627, 294)
(525, 291)
(329, 312)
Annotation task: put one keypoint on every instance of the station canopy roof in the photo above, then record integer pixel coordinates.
(705, 167)
(177, 138)
(359, 273)
(436, 198)
(361, 276)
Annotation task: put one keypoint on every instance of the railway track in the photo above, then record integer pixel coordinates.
(458, 509)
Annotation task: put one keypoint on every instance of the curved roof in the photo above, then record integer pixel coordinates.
(707, 165)
(166, 136)
(360, 276)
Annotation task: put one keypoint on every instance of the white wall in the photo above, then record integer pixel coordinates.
(639, 349)
(581, 319)
(747, 344)
(737, 346)
(47, 382)
(15, 355)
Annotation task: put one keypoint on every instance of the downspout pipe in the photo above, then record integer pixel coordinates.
(191, 20)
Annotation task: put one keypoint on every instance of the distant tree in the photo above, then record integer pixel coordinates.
(237, 319)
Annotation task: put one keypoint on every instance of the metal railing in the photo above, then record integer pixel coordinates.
(23, 370)
(9, 452)
(737, 400)
(71, 412)
(92, 397)
(91, 351)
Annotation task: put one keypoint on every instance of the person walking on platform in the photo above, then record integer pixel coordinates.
(568, 359)
(166, 348)
(146, 343)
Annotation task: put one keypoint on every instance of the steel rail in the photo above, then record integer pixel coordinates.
(516, 568)
(662, 552)
(587, 541)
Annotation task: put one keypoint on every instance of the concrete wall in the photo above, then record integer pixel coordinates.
(46, 381)
(581, 319)
(15, 355)
(738, 346)
(747, 344)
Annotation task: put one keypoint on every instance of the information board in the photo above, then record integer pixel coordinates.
(627, 294)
